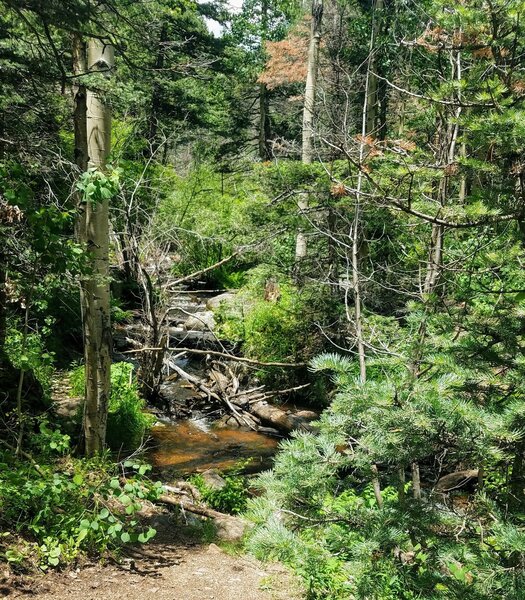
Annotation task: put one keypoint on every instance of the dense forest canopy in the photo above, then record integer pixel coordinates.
(353, 174)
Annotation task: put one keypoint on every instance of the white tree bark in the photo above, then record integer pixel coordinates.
(96, 289)
(309, 117)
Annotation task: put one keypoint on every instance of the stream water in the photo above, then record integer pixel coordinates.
(193, 444)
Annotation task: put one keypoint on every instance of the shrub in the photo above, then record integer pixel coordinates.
(283, 330)
(319, 514)
(29, 353)
(67, 506)
(232, 498)
(127, 421)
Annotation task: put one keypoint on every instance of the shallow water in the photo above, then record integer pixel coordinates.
(191, 446)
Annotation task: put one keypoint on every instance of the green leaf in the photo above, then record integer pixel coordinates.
(125, 537)
(81, 536)
(78, 479)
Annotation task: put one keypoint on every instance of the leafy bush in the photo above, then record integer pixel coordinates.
(127, 421)
(281, 330)
(232, 498)
(29, 353)
(67, 506)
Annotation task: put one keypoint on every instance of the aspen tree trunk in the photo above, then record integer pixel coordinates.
(96, 292)
(308, 120)
(80, 106)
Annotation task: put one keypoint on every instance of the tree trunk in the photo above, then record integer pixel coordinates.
(308, 120)
(96, 288)
(264, 123)
(80, 103)
(264, 107)
(8, 374)
(372, 98)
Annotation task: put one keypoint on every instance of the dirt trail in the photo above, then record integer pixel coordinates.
(172, 567)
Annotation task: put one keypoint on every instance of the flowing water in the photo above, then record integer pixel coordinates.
(192, 445)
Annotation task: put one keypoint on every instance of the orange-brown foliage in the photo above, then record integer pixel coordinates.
(338, 190)
(287, 59)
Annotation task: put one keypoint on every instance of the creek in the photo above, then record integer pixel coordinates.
(188, 436)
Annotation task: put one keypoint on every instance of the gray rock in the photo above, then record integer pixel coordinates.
(215, 302)
(213, 480)
(231, 529)
(201, 321)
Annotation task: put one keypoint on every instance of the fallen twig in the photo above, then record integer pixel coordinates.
(249, 361)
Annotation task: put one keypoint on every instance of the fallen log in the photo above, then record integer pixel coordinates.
(229, 528)
(454, 481)
(281, 419)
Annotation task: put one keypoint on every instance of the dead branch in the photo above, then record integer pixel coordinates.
(241, 359)
(199, 384)
(203, 271)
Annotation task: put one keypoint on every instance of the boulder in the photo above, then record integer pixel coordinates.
(230, 529)
(213, 480)
(200, 321)
(215, 302)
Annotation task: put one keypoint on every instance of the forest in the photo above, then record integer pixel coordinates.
(262, 267)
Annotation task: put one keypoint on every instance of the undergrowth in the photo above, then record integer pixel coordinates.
(57, 507)
(127, 419)
(232, 498)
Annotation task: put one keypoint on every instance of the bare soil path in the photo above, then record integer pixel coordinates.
(171, 567)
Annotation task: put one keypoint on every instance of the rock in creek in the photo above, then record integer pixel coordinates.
(215, 302)
(200, 321)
